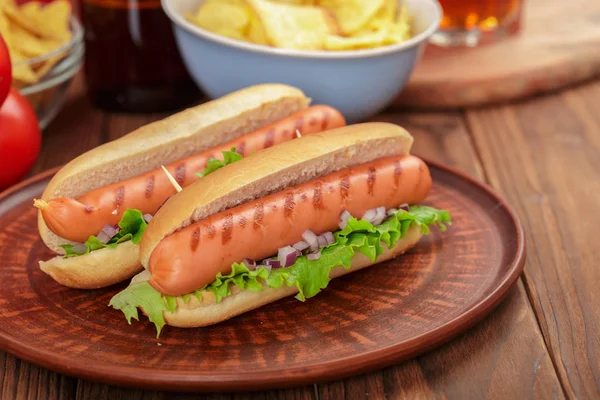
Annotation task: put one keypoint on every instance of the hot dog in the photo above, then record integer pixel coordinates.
(104, 187)
(282, 223)
(146, 192)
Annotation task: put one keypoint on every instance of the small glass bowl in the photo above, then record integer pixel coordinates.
(47, 96)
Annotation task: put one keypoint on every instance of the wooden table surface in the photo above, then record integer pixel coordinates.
(543, 341)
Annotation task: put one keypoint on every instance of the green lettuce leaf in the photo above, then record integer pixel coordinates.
(310, 277)
(132, 226)
(214, 164)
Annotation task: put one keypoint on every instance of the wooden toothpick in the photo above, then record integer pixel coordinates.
(171, 179)
(298, 134)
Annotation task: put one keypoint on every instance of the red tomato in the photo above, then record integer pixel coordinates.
(20, 139)
(5, 71)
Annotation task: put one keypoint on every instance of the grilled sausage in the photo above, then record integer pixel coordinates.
(191, 257)
(77, 219)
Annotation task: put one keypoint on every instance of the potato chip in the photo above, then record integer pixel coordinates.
(32, 30)
(28, 44)
(384, 18)
(364, 41)
(227, 19)
(21, 72)
(307, 24)
(19, 19)
(5, 29)
(294, 27)
(256, 31)
(352, 15)
(31, 9)
(299, 2)
(55, 16)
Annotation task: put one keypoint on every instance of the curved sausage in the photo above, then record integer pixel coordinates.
(191, 257)
(78, 219)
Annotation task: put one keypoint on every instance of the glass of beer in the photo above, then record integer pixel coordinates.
(471, 22)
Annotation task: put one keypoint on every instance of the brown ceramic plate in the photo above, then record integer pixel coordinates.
(364, 321)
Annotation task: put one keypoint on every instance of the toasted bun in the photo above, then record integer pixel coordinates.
(162, 142)
(165, 141)
(97, 269)
(208, 312)
(288, 164)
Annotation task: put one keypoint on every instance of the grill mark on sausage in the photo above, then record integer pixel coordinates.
(180, 174)
(269, 138)
(120, 197)
(150, 187)
(303, 196)
(345, 187)
(312, 121)
(325, 121)
(318, 195)
(241, 147)
(397, 172)
(211, 231)
(89, 209)
(242, 221)
(227, 228)
(259, 213)
(371, 180)
(299, 124)
(289, 204)
(195, 239)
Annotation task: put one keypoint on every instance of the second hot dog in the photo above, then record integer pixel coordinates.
(78, 219)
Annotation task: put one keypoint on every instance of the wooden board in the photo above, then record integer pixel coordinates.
(559, 44)
(545, 157)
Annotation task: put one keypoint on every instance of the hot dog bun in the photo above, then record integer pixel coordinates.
(180, 135)
(272, 170)
(97, 269)
(161, 142)
(208, 312)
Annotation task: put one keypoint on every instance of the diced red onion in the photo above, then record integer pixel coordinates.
(103, 237)
(267, 267)
(147, 218)
(379, 216)
(250, 264)
(79, 248)
(404, 207)
(287, 256)
(345, 216)
(391, 211)
(311, 238)
(329, 237)
(272, 263)
(110, 230)
(370, 215)
(314, 255)
(301, 245)
(107, 233)
(322, 241)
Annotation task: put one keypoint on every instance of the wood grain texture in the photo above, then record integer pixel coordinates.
(440, 136)
(444, 285)
(502, 357)
(558, 46)
(544, 156)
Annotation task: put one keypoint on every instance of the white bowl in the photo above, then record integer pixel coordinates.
(359, 83)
